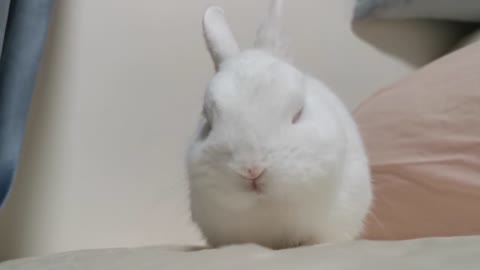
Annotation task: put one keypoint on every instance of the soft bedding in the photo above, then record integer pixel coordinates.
(459, 253)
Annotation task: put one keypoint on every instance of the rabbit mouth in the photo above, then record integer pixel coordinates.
(256, 186)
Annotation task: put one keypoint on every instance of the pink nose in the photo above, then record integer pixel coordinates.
(253, 173)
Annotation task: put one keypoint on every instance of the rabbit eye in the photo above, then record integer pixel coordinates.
(297, 116)
(206, 129)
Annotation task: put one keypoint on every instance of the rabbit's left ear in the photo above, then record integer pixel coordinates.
(269, 34)
(218, 36)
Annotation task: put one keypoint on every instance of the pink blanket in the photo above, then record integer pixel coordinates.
(423, 139)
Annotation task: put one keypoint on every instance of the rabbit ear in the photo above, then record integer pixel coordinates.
(269, 35)
(218, 36)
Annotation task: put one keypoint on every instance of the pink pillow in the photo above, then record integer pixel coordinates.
(423, 139)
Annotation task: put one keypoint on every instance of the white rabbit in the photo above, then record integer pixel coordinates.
(277, 160)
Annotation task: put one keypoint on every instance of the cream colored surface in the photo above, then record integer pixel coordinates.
(424, 254)
(119, 92)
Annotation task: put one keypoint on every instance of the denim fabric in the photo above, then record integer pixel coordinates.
(23, 43)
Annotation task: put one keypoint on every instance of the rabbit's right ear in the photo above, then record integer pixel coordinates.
(218, 36)
(270, 34)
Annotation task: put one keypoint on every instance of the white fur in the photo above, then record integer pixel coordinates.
(316, 187)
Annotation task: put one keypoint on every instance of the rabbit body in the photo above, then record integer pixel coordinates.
(277, 159)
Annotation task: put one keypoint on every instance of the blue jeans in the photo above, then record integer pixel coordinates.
(23, 28)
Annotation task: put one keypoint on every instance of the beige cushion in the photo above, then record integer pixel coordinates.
(423, 139)
(425, 254)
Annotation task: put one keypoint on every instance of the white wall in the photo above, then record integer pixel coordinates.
(117, 99)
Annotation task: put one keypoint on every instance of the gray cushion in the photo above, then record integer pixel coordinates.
(457, 10)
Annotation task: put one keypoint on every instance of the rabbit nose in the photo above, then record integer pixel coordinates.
(253, 172)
